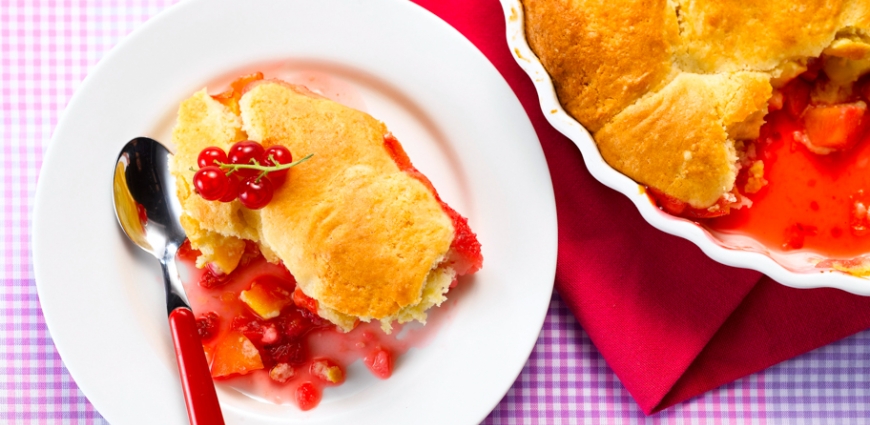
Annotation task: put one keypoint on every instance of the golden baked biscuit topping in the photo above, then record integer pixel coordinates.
(667, 87)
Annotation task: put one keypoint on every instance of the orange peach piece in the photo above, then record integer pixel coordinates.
(833, 127)
(235, 354)
(266, 299)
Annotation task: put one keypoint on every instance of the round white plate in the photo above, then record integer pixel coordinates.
(457, 118)
(797, 269)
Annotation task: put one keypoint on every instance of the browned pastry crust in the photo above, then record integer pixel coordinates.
(673, 139)
(667, 87)
(603, 55)
(360, 235)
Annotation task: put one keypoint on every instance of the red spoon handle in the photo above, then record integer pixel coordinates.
(199, 395)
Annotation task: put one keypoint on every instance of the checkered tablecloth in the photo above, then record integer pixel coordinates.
(47, 49)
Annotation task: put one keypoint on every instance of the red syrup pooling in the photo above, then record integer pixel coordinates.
(295, 337)
(810, 200)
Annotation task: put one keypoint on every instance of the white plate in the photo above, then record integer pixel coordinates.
(460, 122)
(796, 269)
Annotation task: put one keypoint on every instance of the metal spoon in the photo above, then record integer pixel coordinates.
(148, 211)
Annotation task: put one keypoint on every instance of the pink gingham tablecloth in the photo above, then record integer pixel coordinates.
(48, 47)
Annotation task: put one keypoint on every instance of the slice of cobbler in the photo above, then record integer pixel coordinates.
(365, 234)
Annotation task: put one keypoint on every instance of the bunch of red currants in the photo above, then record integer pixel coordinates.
(247, 172)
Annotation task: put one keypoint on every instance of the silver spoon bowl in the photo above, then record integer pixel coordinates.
(148, 210)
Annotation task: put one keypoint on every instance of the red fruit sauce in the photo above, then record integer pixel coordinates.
(810, 200)
(296, 344)
(296, 337)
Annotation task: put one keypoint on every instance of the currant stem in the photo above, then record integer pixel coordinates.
(264, 168)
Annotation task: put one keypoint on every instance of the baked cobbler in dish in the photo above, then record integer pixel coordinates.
(669, 88)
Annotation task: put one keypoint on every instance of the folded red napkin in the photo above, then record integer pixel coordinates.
(670, 322)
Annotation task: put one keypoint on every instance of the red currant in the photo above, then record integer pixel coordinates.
(211, 183)
(232, 188)
(242, 153)
(380, 362)
(281, 155)
(307, 396)
(255, 193)
(210, 155)
(207, 326)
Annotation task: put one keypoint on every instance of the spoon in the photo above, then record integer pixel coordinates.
(148, 211)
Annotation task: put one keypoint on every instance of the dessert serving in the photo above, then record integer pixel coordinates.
(745, 118)
(348, 233)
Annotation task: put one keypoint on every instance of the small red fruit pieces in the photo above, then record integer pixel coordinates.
(270, 334)
(246, 152)
(796, 96)
(290, 351)
(795, 235)
(207, 326)
(249, 326)
(834, 127)
(210, 183)
(667, 203)
(266, 297)
(307, 396)
(466, 257)
(380, 363)
(186, 252)
(212, 279)
(327, 370)
(304, 301)
(255, 193)
(251, 252)
(294, 323)
(211, 156)
(235, 354)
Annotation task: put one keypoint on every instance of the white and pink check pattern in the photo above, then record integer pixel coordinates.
(47, 49)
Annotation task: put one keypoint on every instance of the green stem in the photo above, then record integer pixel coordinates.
(264, 168)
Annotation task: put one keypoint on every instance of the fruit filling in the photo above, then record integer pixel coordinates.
(259, 336)
(806, 176)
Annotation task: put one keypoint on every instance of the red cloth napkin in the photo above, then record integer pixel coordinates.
(670, 322)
